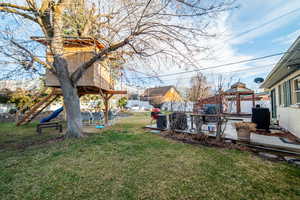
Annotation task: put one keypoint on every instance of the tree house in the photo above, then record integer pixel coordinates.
(98, 79)
(77, 51)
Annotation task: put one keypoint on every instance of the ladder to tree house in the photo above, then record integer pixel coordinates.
(37, 108)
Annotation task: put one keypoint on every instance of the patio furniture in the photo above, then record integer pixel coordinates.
(200, 119)
(41, 126)
(87, 118)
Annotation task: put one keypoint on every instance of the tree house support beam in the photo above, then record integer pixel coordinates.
(106, 98)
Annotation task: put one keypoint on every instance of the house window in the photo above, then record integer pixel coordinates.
(287, 97)
(280, 94)
(297, 90)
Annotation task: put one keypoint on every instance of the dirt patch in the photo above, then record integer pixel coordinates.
(200, 140)
(204, 140)
(24, 145)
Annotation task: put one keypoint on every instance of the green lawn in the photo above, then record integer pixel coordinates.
(125, 162)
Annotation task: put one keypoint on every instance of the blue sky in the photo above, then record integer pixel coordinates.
(276, 25)
(257, 28)
(277, 36)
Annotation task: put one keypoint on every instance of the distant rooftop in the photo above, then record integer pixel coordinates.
(157, 91)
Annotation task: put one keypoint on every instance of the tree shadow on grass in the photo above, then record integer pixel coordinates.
(18, 138)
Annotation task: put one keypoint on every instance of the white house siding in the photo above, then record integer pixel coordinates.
(288, 117)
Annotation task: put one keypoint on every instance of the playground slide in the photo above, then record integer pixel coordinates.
(52, 116)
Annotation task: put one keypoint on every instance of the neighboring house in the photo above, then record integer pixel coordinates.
(159, 95)
(283, 82)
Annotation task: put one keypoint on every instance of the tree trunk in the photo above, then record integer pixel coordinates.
(69, 90)
(71, 99)
(219, 130)
(72, 106)
(106, 108)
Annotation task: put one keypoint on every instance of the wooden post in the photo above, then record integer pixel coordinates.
(238, 103)
(192, 121)
(106, 98)
(253, 100)
(221, 103)
(105, 111)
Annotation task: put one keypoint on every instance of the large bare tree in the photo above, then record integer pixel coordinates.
(130, 29)
(199, 87)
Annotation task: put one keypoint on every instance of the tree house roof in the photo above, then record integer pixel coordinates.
(73, 41)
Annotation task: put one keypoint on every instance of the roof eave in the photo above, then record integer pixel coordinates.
(267, 84)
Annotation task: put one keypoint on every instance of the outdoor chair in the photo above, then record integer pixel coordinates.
(87, 118)
(98, 117)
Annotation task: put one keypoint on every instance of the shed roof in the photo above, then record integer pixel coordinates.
(73, 41)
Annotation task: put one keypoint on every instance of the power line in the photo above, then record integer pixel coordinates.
(240, 70)
(234, 37)
(262, 25)
(216, 66)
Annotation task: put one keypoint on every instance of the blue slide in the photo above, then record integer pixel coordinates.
(52, 116)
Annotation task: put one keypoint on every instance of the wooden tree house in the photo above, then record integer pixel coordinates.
(96, 80)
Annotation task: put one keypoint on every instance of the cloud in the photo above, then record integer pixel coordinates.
(254, 20)
(268, 18)
(287, 39)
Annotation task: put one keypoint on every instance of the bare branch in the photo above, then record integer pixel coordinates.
(99, 57)
(9, 5)
(15, 11)
(34, 58)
